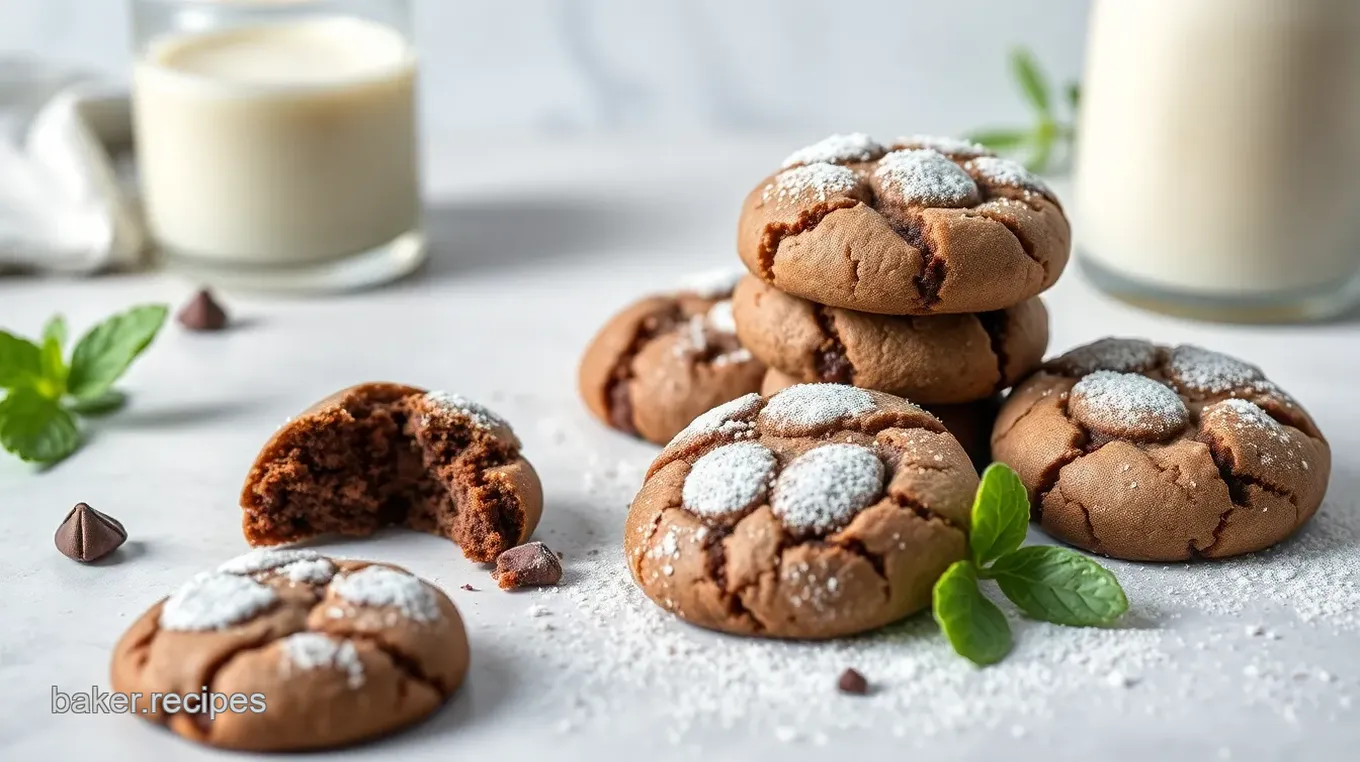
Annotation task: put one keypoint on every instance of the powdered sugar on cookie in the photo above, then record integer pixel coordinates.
(817, 182)
(926, 177)
(728, 481)
(730, 417)
(1123, 355)
(381, 586)
(313, 650)
(712, 284)
(720, 319)
(313, 571)
(1127, 404)
(836, 149)
(964, 149)
(997, 171)
(823, 489)
(803, 406)
(214, 600)
(265, 559)
(1195, 369)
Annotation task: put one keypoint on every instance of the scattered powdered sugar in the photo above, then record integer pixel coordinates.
(994, 169)
(735, 357)
(815, 181)
(1243, 415)
(381, 586)
(311, 571)
(719, 317)
(729, 417)
(214, 600)
(1208, 372)
(836, 149)
(265, 559)
(946, 145)
(824, 488)
(481, 415)
(712, 284)
(313, 650)
(1123, 355)
(727, 481)
(1115, 403)
(923, 176)
(802, 406)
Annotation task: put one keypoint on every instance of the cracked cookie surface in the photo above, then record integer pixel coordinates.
(380, 454)
(665, 359)
(336, 651)
(930, 359)
(920, 226)
(1156, 453)
(818, 512)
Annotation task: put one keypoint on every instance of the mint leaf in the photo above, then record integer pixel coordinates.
(1032, 82)
(976, 628)
(1000, 514)
(1060, 586)
(36, 428)
(53, 368)
(20, 361)
(104, 353)
(104, 404)
(1001, 139)
(55, 330)
(1073, 92)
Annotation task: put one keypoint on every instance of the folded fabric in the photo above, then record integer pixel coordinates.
(62, 206)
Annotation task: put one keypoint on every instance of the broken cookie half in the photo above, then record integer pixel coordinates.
(381, 454)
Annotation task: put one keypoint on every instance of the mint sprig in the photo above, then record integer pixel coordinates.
(1051, 584)
(44, 393)
(1040, 140)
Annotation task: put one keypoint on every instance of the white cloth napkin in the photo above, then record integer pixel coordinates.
(62, 207)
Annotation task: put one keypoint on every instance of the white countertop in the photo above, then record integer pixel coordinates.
(536, 244)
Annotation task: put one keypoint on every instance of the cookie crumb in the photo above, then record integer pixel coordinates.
(529, 565)
(853, 683)
(469, 588)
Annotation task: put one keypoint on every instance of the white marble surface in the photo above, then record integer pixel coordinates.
(675, 65)
(536, 243)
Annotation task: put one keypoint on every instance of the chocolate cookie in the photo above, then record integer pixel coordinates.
(935, 359)
(822, 511)
(665, 359)
(1156, 453)
(378, 455)
(970, 422)
(321, 653)
(923, 226)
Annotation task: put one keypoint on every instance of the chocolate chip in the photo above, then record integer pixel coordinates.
(528, 565)
(853, 683)
(88, 535)
(470, 588)
(203, 313)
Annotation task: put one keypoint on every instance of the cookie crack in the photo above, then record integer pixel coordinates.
(775, 232)
(930, 280)
(1025, 245)
(830, 359)
(715, 567)
(1048, 481)
(408, 666)
(908, 503)
(618, 397)
(1085, 515)
(997, 324)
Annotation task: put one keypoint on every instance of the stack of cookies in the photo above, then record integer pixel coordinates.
(912, 268)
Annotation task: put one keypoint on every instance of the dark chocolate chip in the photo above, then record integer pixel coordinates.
(528, 565)
(88, 535)
(853, 683)
(203, 313)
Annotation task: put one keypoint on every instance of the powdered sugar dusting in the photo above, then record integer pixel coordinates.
(964, 149)
(712, 284)
(922, 176)
(481, 415)
(731, 417)
(265, 559)
(728, 481)
(824, 488)
(313, 650)
(312, 571)
(837, 149)
(720, 318)
(998, 171)
(1116, 403)
(1201, 370)
(811, 181)
(1281, 448)
(802, 406)
(381, 586)
(214, 600)
(1123, 355)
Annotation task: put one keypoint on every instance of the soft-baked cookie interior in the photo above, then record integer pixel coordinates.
(383, 458)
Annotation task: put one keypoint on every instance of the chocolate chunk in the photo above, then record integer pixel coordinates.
(853, 683)
(470, 588)
(203, 313)
(528, 565)
(88, 535)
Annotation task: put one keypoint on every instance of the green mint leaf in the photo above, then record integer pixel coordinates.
(1000, 514)
(36, 428)
(1060, 586)
(1073, 92)
(20, 362)
(104, 353)
(1031, 79)
(1001, 139)
(104, 404)
(975, 627)
(1045, 138)
(53, 368)
(55, 330)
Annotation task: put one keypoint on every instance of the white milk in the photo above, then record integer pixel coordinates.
(283, 144)
(1220, 145)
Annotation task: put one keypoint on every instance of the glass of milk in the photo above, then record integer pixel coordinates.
(276, 140)
(1218, 165)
